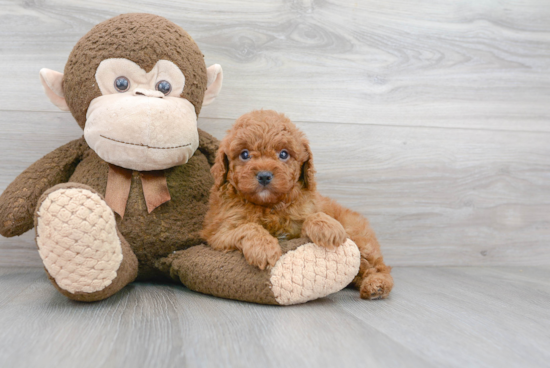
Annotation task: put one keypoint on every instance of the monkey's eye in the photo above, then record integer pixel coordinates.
(284, 155)
(122, 84)
(245, 155)
(164, 87)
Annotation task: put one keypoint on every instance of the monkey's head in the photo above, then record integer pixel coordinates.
(136, 84)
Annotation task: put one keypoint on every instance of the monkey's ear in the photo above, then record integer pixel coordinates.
(213, 84)
(52, 82)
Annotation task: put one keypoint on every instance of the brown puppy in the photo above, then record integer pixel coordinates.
(265, 189)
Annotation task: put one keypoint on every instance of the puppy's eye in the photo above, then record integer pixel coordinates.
(245, 155)
(284, 155)
(164, 87)
(122, 84)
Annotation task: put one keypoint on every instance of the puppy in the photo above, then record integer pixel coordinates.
(265, 190)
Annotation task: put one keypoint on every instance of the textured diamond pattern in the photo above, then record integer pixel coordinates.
(77, 240)
(311, 272)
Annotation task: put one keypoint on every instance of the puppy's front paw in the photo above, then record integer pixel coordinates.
(324, 231)
(261, 251)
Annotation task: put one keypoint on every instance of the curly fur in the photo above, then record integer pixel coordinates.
(250, 217)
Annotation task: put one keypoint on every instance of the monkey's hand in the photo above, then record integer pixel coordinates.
(324, 231)
(19, 200)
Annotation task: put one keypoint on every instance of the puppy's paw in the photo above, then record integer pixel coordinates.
(261, 251)
(324, 231)
(376, 286)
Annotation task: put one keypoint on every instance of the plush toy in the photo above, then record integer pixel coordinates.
(127, 200)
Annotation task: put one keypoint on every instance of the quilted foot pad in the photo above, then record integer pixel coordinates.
(312, 272)
(77, 240)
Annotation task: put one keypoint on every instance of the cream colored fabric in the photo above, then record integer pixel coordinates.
(78, 241)
(214, 82)
(141, 128)
(52, 82)
(110, 69)
(311, 272)
(142, 133)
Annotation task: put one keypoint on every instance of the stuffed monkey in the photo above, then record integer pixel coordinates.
(127, 200)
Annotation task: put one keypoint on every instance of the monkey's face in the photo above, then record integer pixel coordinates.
(140, 122)
(135, 83)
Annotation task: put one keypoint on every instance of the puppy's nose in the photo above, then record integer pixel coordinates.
(264, 177)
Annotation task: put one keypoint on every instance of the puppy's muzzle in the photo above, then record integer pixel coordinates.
(264, 177)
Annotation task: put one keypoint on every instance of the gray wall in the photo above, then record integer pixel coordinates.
(429, 117)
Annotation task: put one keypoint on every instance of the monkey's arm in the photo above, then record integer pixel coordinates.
(208, 145)
(18, 202)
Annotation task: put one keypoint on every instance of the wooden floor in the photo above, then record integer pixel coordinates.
(431, 118)
(436, 317)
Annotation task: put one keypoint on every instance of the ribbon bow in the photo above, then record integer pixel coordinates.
(119, 181)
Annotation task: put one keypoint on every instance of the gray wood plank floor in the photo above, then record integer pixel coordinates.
(430, 118)
(436, 317)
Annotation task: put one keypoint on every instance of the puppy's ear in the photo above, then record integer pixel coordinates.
(220, 168)
(307, 176)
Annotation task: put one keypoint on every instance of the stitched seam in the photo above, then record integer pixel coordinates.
(143, 145)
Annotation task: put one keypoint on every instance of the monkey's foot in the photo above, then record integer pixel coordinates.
(84, 255)
(304, 272)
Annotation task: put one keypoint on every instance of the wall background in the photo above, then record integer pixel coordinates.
(429, 117)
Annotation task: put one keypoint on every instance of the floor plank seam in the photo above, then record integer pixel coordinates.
(343, 123)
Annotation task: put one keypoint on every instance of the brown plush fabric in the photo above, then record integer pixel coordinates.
(226, 275)
(147, 39)
(174, 225)
(19, 200)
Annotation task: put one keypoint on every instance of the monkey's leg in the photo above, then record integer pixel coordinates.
(304, 272)
(85, 256)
